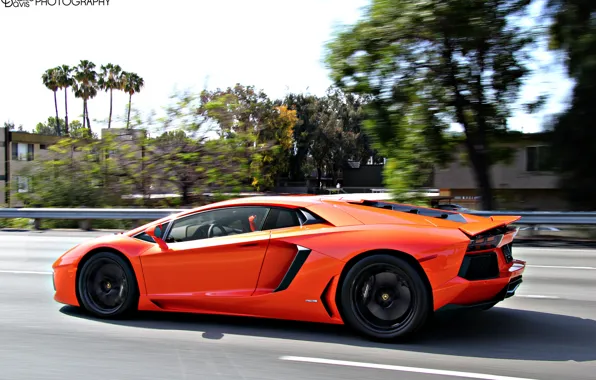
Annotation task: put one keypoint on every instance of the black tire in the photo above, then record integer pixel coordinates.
(400, 299)
(107, 286)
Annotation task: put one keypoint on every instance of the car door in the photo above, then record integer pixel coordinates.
(284, 258)
(213, 253)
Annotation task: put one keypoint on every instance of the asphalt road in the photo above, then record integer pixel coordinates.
(548, 331)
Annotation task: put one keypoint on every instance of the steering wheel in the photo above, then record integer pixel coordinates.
(214, 225)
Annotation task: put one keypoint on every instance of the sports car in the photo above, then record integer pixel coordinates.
(379, 267)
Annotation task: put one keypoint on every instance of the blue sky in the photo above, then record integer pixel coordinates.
(275, 45)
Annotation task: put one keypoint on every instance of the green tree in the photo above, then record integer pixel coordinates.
(77, 131)
(427, 64)
(65, 80)
(12, 127)
(129, 162)
(349, 143)
(51, 127)
(85, 86)
(274, 145)
(131, 84)
(260, 132)
(180, 162)
(110, 79)
(193, 156)
(306, 108)
(573, 33)
(332, 143)
(51, 81)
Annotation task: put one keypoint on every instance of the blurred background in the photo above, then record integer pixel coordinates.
(460, 105)
(117, 112)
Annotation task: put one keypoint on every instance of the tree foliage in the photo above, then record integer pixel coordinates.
(86, 82)
(429, 64)
(328, 133)
(255, 129)
(53, 128)
(573, 32)
(180, 161)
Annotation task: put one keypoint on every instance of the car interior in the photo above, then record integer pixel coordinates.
(231, 221)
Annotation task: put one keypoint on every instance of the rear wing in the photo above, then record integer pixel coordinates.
(477, 228)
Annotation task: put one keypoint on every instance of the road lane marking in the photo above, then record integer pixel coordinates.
(428, 371)
(559, 267)
(24, 272)
(537, 296)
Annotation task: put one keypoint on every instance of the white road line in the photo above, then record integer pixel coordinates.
(24, 272)
(401, 368)
(537, 296)
(559, 267)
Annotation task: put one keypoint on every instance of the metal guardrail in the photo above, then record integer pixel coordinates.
(85, 214)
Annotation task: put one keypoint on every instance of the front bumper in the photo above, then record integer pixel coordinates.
(64, 279)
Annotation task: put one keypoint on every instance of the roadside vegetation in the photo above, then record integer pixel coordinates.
(403, 76)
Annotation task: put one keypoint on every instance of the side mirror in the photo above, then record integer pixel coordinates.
(151, 232)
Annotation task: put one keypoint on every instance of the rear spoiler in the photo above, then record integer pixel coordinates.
(476, 228)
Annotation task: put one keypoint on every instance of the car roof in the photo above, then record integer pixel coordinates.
(294, 200)
(281, 200)
(346, 209)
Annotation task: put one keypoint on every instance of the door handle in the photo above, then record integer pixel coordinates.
(249, 245)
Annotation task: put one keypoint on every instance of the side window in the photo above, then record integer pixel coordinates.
(281, 218)
(217, 223)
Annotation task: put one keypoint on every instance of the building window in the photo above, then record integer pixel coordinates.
(22, 152)
(539, 159)
(22, 184)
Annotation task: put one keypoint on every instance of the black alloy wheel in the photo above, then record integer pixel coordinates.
(107, 287)
(384, 298)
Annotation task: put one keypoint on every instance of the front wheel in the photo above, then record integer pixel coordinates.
(384, 298)
(107, 286)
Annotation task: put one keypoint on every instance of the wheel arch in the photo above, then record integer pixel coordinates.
(87, 256)
(386, 251)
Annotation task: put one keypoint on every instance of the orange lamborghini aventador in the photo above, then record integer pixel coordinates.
(381, 268)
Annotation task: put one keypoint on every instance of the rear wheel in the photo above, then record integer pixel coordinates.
(107, 286)
(384, 298)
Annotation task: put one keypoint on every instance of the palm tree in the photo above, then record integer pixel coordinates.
(110, 79)
(65, 81)
(131, 83)
(85, 86)
(50, 80)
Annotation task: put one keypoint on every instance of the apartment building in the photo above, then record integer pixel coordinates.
(17, 150)
(528, 182)
(20, 149)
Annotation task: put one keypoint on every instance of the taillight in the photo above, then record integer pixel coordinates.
(483, 243)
